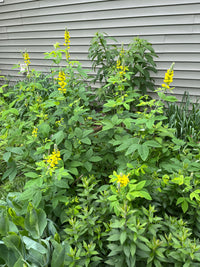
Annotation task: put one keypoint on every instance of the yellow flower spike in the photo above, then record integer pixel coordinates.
(61, 78)
(168, 77)
(26, 58)
(67, 41)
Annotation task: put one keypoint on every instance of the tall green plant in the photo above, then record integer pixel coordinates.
(137, 58)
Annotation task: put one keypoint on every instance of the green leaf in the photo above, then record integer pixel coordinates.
(132, 149)
(126, 249)
(88, 166)
(95, 159)
(17, 220)
(86, 141)
(89, 153)
(37, 197)
(58, 256)
(123, 237)
(178, 142)
(59, 137)
(138, 67)
(117, 223)
(87, 132)
(9, 111)
(15, 150)
(152, 143)
(124, 144)
(114, 237)
(143, 247)
(184, 206)
(27, 194)
(115, 120)
(107, 125)
(143, 194)
(143, 151)
(180, 200)
(73, 171)
(19, 262)
(188, 263)
(35, 184)
(35, 221)
(11, 172)
(31, 174)
(44, 129)
(140, 185)
(4, 223)
(13, 242)
(133, 249)
(78, 132)
(195, 195)
(61, 183)
(150, 123)
(6, 156)
(31, 244)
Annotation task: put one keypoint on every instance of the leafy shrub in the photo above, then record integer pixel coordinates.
(137, 60)
(86, 188)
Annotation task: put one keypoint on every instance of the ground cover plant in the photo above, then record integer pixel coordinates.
(95, 179)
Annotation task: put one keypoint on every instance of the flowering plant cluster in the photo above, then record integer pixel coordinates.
(96, 177)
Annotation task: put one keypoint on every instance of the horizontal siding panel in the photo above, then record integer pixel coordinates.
(11, 3)
(55, 14)
(24, 5)
(86, 40)
(123, 22)
(35, 10)
(159, 48)
(155, 30)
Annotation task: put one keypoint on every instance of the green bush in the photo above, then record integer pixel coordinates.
(84, 188)
(137, 60)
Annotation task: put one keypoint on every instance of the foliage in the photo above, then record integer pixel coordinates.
(86, 188)
(185, 118)
(137, 59)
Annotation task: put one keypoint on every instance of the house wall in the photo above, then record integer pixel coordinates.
(173, 27)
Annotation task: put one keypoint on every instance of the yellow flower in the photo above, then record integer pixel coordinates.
(67, 41)
(122, 69)
(122, 179)
(26, 58)
(168, 78)
(62, 83)
(59, 122)
(34, 132)
(53, 159)
(165, 86)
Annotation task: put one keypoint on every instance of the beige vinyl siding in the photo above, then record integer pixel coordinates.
(173, 27)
